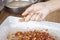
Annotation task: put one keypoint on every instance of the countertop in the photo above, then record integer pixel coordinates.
(54, 16)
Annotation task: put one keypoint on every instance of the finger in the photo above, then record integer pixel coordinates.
(38, 17)
(27, 11)
(33, 17)
(42, 17)
(29, 17)
(21, 20)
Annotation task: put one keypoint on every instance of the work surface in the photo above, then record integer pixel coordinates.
(54, 17)
(4, 14)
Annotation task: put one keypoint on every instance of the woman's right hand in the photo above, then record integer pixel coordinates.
(39, 11)
(36, 12)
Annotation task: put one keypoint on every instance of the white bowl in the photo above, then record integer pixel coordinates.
(12, 24)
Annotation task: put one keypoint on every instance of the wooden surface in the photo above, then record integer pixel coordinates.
(4, 14)
(54, 16)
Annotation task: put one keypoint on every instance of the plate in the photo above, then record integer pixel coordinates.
(12, 24)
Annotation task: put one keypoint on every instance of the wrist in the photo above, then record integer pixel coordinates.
(53, 5)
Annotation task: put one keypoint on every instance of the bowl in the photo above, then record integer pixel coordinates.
(16, 8)
(12, 25)
(1, 5)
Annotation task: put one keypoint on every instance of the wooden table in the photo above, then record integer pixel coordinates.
(54, 16)
(4, 14)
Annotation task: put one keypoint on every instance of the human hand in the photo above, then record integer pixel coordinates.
(36, 12)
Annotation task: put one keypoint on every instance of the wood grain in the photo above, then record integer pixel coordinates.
(54, 16)
(4, 14)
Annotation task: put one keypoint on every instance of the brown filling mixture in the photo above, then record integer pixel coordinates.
(30, 35)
